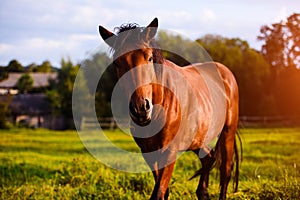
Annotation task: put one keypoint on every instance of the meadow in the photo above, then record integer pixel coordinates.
(44, 164)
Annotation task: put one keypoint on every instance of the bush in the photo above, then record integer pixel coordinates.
(4, 124)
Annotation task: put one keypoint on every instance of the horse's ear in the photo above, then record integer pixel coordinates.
(151, 29)
(107, 36)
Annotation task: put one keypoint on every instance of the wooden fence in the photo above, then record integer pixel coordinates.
(104, 123)
(245, 121)
(269, 121)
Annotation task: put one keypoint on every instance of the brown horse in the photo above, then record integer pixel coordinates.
(188, 104)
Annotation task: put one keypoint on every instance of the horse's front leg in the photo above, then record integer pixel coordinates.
(163, 175)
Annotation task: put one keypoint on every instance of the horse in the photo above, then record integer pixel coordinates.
(184, 117)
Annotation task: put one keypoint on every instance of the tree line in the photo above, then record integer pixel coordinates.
(269, 79)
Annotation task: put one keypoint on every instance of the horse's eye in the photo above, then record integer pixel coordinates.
(150, 59)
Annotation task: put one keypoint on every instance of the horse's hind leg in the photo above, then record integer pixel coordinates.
(207, 163)
(226, 145)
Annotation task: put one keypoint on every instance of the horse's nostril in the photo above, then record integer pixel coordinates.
(140, 108)
(147, 104)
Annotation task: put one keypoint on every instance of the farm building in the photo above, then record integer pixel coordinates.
(34, 111)
(30, 109)
(40, 80)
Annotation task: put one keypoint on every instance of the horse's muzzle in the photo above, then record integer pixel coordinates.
(140, 111)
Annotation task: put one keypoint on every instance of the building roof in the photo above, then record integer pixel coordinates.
(39, 79)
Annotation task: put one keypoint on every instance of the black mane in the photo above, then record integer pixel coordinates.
(126, 37)
(126, 27)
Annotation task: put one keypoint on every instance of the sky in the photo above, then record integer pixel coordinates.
(33, 31)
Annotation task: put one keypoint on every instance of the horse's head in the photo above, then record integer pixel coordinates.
(135, 56)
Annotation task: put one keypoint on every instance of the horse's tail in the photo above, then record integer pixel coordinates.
(216, 158)
(237, 159)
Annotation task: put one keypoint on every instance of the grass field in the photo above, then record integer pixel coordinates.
(44, 164)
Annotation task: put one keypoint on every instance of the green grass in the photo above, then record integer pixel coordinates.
(44, 164)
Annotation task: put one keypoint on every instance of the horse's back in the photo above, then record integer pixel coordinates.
(223, 75)
(223, 93)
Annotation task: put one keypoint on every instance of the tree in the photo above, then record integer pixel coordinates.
(60, 93)
(3, 73)
(66, 78)
(101, 79)
(180, 50)
(249, 67)
(81, 99)
(281, 46)
(281, 49)
(4, 112)
(14, 66)
(30, 68)
(54, 99)
(25, 83)
(44, 67)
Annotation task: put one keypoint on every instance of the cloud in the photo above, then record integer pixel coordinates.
(208, 15)
(32, 30)
(281, 15)
(5, 48)
(39, 49)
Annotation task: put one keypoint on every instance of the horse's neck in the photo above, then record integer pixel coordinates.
(169, 63)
